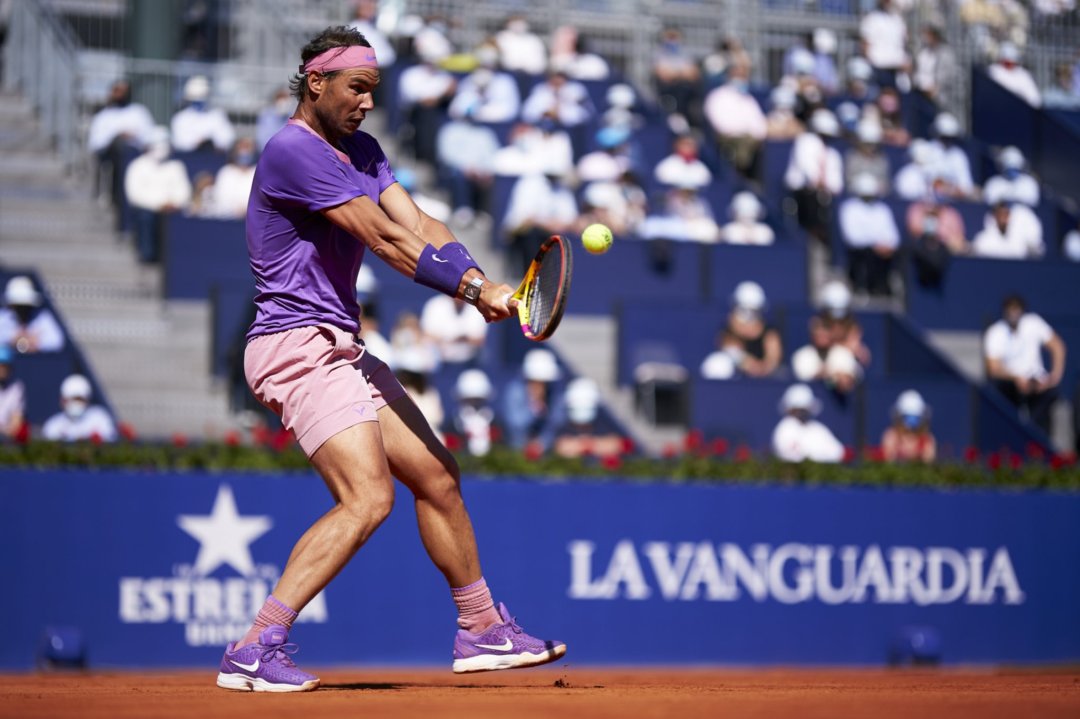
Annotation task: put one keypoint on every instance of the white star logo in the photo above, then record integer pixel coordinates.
(224, 535)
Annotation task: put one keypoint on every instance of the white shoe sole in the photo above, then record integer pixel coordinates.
(241, 683)
(494, 662)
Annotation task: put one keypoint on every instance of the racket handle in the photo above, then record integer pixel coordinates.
(506, 300)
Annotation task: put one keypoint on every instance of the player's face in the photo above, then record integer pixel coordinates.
(346, 100)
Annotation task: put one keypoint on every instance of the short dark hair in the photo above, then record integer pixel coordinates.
(1013, 300)
(331, 37)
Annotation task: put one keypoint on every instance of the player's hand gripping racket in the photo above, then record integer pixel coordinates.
(541, 296)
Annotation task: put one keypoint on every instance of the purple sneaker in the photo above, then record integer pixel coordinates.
(502, 646)
(264, 667)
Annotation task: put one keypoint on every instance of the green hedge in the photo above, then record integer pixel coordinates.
(700, 464)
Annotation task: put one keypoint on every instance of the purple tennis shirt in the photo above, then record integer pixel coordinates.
(305, 266)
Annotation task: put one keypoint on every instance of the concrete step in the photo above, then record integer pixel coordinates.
(963, 348)
(30, 165)
(169, 411)
(76, 227)
(113, 262)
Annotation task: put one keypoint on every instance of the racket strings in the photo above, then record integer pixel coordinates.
(545, 291)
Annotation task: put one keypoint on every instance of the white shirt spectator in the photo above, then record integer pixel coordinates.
(1022, 188)
(94, 421)
(1071, 246)
(535, 200)
(583, 66)
(384, 49)
(535, 152)
(1019, 350)
(43, 326)
(952, 165)
(1021, 240)
(601, 166)
(742, 232)
(1018, 81)
(569, 101)
(192, 127)
(424, 82)
(110, 122)
(735, 113)
(468, 147)
(675, 170)
(814, 164)
(885, 35)
(911, 182)
(520, 49)
(868, 224)
(154, 184)
(796, 441)
(232, 188)
(457, 328)
(487, 96)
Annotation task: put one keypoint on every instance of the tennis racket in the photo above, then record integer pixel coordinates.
(542, 294)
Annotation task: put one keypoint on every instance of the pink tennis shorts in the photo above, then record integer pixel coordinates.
(319, 380)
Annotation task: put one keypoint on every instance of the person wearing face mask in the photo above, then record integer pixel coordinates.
(909, 438)
(950, 160)
(1013, 182)
(533, 407)
(752, 346)
(12, 398)
(936, 231)
(155, 185)
(198, 125)
(746, 227)
(232, 186)
(683, 166)
(585, 432)
(1014, 77)
(564, 100)
(25, 325)
(799, 437)
(867, 157)
(676, 76)
(884, 36)
(1012, 350)
(487, 94)
(869, 230)
(540, 206)
(474, 417)
(815, 173)
(79, 420)
(737, 119)
(273, 117)
(521, 50)
(121, 124)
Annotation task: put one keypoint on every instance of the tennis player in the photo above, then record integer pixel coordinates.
(323, 195)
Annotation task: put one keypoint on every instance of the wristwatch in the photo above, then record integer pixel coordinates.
(472, 290)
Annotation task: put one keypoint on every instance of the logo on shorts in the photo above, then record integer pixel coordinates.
(363, 410)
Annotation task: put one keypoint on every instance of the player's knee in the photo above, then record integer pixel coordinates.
(371, 503)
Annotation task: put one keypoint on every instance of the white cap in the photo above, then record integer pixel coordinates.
(799, 396)
(841, 361)
(802, 61)
(946, 125)
(910, 403)
(806, 364)
(540, 366)
(745, 206)
(487, 56)
(196, 89)
(868, 131)
(366, 282)
(75, 386)
(20, 291)
(824, 122)
(859, 69)
(1009, 51)
(621, 95)
(718, 365)
(582, 400)
(782, 97)
(865, 185)
(473, 384)
(836, 297)
(921, 151)
(825, 40)
(748, 295)
(1011, 158)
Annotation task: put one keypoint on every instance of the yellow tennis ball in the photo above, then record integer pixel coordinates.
(597, 239)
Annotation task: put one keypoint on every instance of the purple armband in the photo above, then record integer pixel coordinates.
(442, 268)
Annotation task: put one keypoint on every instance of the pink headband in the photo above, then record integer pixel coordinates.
(341, 58)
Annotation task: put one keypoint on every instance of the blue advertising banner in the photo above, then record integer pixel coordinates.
(162, 570)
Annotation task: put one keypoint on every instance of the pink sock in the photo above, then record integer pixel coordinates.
(476, 609)
(272, 612)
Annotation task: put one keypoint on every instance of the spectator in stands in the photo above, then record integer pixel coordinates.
(836, 353)
(199, 126)
(454, 328)
(116, 129)
(737, 120)
(543, 149)
(1013, 183)
(367, 295)
(620, 205)
(869, 230)
(890, 117)
(867, 157)
(909, 438)
(861, 86)
(274, 116)
(799, 437)
(155, 185)
(914, 180)
(78, 419)
(729, 52)
(677, 77)
(747, 343)
(936, 70)
(1070, 246)
(426, 91)
(621, 101)
(781, 123)
(487, 94)
(986, 19)
(25, 324)
(539, 206)
(611, 160)
(1010, 232)
(581, 435)
(746, 227)
(232, 185)
(202, 202)
(466, 152)
(570, 54)
(824, 43)
(815, 173)
(685, 216)
(884, 37)
(431, 205)
(12, 398)
(520, 49)
(936, 232)
(533, 409)
(407, 336)
(1012, 348)
(1014, 77)
(950, 161)
(1064, 94)
(474, 417)
(365, 19)
(414, 366)
(565, 100)
(683, 166)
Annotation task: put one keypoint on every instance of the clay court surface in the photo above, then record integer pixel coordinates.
(562, 691)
